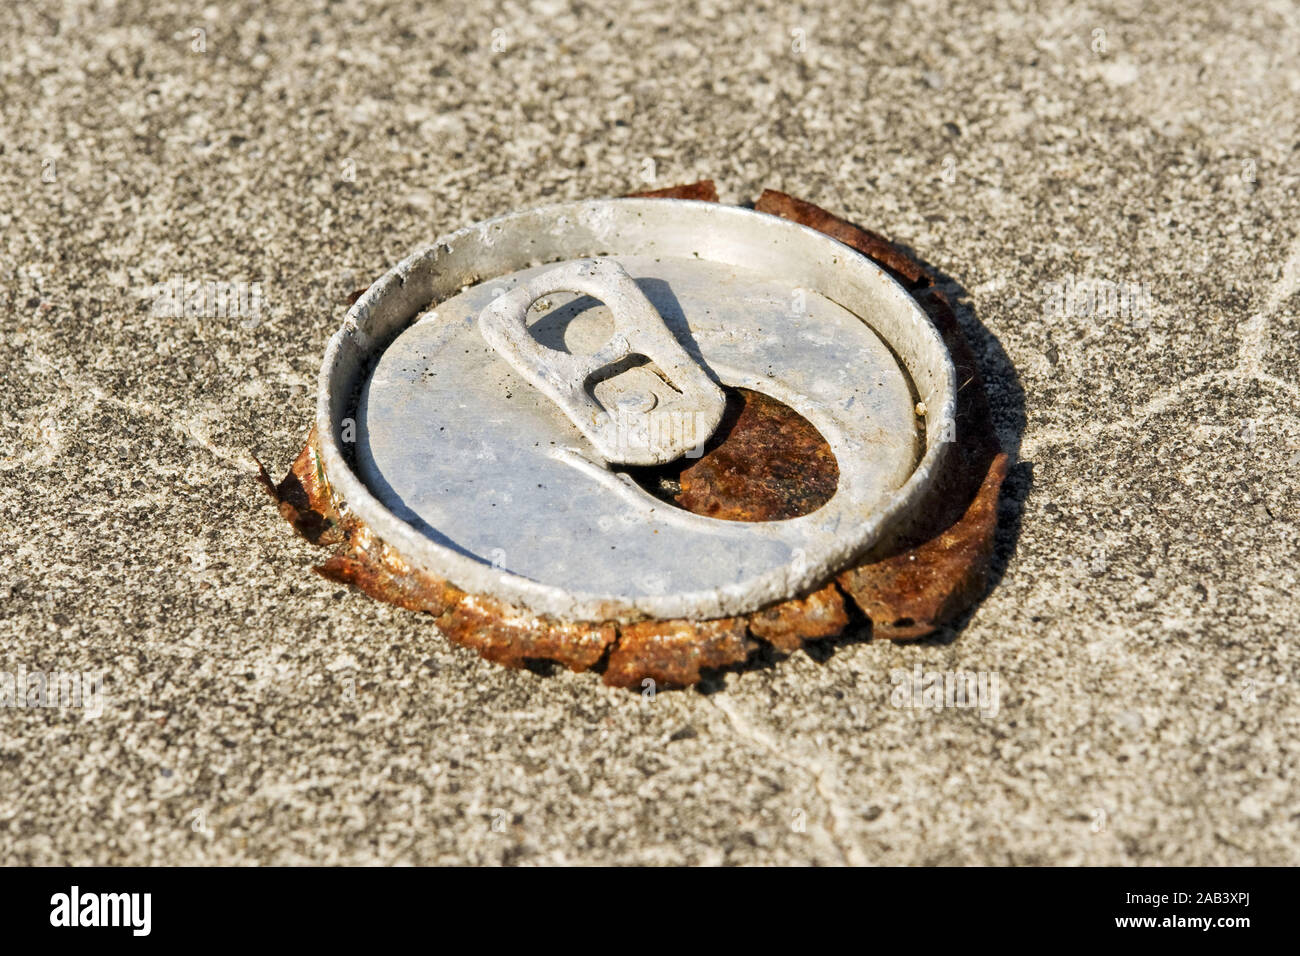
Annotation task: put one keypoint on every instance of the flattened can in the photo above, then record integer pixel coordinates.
(645, 435)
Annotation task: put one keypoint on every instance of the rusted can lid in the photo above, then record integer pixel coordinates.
(512, 409)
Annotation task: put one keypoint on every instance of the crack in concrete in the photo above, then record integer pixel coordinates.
(86, 389)
(836, 814)
(1249, 365)
(1289, 282)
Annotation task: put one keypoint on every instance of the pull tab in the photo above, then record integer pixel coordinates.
(632, 425)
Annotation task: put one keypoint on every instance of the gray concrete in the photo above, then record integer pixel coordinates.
(1142, 635)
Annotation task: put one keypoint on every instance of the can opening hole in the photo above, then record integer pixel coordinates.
(765, 462)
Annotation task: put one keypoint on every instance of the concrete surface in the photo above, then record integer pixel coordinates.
(1142, 635)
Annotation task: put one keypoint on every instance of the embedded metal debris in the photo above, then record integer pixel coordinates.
(931, 570)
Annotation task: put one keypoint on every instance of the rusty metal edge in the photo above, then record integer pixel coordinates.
(928, 575)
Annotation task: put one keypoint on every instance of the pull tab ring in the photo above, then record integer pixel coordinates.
(638, 429)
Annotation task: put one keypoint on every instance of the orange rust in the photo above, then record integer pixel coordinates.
(871, 244)
(912, 592)
(935, 565)
(704, 191)
(787, 625)
(672, 653)
(512, 637)
(496, 630)
(304, 497)
(932, 570)
(412, 590)
(765, 463)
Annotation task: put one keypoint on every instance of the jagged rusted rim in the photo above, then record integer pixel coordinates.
(928, 573)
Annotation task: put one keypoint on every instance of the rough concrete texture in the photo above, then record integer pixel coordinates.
(1141, 633)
